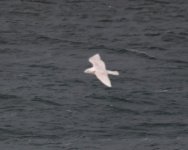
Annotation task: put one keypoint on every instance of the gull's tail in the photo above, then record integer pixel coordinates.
(116, 73)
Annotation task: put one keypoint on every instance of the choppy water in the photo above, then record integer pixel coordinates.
(48, 103)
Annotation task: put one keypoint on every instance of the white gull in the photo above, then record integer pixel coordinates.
(99, 69)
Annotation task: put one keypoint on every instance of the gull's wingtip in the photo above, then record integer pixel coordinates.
(108, 85)
(97, 55)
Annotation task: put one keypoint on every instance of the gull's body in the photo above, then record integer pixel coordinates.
(99, 69)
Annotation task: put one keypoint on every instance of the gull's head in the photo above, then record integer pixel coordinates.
(89, 71)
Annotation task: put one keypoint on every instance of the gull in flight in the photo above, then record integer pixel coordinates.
(99, 69)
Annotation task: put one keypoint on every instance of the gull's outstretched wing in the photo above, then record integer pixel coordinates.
(100, 69)
(103, 77)
(97, 62)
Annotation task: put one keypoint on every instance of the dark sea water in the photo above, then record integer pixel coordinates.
(48, 103)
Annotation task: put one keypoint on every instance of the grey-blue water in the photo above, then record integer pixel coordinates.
(48, 103)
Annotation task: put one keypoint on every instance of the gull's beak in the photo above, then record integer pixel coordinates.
(86, 71)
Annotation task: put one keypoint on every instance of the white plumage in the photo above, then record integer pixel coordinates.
(99, 69)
